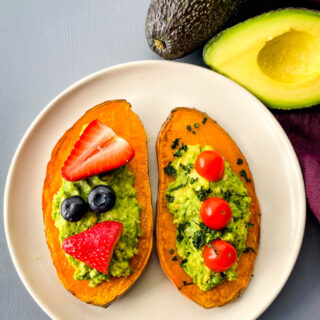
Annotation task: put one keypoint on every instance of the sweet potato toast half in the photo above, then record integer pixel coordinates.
(209, 134)
(118, 115)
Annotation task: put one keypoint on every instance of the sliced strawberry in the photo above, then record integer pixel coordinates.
(98, 150)
(95, 246)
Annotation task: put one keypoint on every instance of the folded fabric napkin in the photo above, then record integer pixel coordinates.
(303, 129)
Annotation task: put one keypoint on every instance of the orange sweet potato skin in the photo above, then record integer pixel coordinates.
(212, 134)
(118, 115)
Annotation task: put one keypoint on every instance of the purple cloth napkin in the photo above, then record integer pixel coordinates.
(303, 129)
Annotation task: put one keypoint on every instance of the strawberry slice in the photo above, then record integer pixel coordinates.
(98, 150)
(95, 246)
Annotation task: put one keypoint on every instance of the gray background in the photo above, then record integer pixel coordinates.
(47, 45)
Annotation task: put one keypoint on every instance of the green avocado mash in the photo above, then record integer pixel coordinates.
(184, 198)
(126, 210)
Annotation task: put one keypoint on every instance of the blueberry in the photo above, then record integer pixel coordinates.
(101, 198)
(73, 208)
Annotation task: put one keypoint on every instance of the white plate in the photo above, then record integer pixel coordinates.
(154, 88)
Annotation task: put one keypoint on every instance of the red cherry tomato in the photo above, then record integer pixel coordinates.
(215, 213)
(220, 257)
(210, 165)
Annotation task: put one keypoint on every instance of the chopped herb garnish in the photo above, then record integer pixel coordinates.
(243, 174)
(175, 143)
(199, 239)
(175, 258)
(169, 198)
(185, 283)
(202, 194)
(227, 195)
(180, 237)
(178, 153)
(177, 187)
(183, 262)
(196, 125)
(251, 225)
(239, 161)
(185, 168)
(170, 170)
(189, 127)
(248, 249)
(193, 132)
(237, 203)
(180, 230)
(193, 180)
(171, 251)
(204, 120)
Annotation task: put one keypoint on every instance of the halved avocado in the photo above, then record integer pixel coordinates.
(276, 56)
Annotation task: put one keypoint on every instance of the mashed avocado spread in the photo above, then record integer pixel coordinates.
(184, 198)
(126, 210)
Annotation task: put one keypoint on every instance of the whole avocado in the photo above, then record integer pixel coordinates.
(175, 28)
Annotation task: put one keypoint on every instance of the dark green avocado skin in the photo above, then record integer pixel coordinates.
(175, 28)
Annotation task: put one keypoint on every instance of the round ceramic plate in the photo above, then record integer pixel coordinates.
(154, 88)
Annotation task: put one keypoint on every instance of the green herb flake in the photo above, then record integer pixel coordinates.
(251, 225)
(243, 174)
(185, 168)
(183, 262)
(176, 188)
(199, 239)
(196, 125)
(227, 195)
(178, 153)
(170, 198)
(175, 258)
(204, 120)
(175, 143)
(189, 127)
(185, 283)
(239, 161)
(171, 251)
(248, 249)
(170, 170)
(180, 231)
(202, 194)
(193, 132)
(193, 180)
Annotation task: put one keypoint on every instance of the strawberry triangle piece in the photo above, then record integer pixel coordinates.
(95, 246)
(98, 150)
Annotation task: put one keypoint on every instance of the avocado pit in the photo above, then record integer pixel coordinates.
(292, 57)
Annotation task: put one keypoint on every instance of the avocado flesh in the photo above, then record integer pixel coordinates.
(276, 56)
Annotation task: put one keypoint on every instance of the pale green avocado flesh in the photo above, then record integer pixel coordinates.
(126, 210)
(276, 56)
(184, 198)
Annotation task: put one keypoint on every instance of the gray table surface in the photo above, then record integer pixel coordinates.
(47, 45)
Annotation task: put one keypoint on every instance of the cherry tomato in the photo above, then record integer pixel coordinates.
(220, 257)
(215, 213)
(210, 165)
